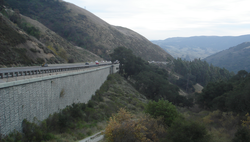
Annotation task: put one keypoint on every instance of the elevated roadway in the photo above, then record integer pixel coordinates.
(18, 73)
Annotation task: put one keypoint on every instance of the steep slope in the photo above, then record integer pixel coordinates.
(9, 39)
(86, 30)
(24, 41)
(58, 44)
(190, 48)
(18, 48)
(234, 59)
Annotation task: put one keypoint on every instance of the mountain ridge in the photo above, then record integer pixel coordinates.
(84, 29)
(234, 59)
(47, 46)
(193, 47)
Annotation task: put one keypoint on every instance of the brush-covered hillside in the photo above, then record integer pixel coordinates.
(234, 59)
(24, 41)
(86, 30)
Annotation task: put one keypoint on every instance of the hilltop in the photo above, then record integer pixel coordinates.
(197, 47)
(233, 59)
(85, 30)
(24, 41)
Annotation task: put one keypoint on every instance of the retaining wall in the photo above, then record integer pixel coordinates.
(40, 97)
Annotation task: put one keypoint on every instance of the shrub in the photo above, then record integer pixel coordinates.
(76, 110)
(91, 104)
(35, 132)
(242, 135)
(14, 136)
(124, 127)
(183, 131)
(71, 60)
(97, 97)
(40, 60)
(162, 108)
(28, 28)
(246, 123)
(64, 120)
(62, 93)
(33, 50)
(63, 54)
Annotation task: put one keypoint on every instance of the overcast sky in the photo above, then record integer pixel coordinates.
(161, 19)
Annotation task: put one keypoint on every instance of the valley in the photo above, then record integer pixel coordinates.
(190, 48)
(181, 89)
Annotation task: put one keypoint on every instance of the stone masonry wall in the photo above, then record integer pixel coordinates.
(40, 97)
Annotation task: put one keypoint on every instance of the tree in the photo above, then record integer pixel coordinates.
(183, 131)
(148, 79)
(129, 63)
(123, 127)
(242, 135)
(212, 91)
(1, 4)
(162, 108)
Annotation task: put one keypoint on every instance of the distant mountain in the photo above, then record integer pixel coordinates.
(234, 59)
(190, 48)
(86, 30)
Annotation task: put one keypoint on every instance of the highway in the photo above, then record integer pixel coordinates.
(7, 73)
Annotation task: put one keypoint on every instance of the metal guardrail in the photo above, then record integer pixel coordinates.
(44, 70)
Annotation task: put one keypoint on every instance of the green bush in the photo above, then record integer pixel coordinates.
(77, 110)
(40, 60)
(15, 136)
(91, 104)
(162, 108)
(28, 28)
(124, 127)
(35, 132)
(97, 97)
(183, 131)
(242, 135)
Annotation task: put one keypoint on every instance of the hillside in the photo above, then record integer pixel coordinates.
(190, 48)
(86, 30)
(234, 59)
(24, 41)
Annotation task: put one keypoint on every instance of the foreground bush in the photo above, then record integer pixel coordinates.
(164, 109)
(242, 135)
(183, 131)
(124, 127)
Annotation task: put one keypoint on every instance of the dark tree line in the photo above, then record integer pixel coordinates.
(150, 80)
(1, 4)
(201, 72)
(232, 95)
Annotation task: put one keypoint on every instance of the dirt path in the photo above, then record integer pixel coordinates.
(198, 88)
(182, 93)
(95, 138)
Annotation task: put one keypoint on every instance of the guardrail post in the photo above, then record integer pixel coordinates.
(7, 77)
(16, 75)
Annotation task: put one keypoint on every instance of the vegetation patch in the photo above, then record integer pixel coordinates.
(79, 120)
(149, 80)
(124, 127)
(62, 93)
